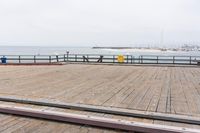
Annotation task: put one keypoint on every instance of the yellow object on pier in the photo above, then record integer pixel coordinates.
(120, 58)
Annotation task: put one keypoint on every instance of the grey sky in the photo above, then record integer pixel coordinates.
(100, 22)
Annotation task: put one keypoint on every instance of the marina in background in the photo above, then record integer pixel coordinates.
(185, 50)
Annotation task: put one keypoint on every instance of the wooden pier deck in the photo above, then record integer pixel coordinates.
(170, 90)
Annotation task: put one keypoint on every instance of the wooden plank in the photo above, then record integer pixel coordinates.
(14, 126)
(179, 98)
(110, 110)
(94, 121)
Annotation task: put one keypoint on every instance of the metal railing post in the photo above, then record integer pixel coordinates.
(75, 58)
(49, 59)
(138, 59)
(157, 59)
(64, 58)
(57, 58)
(88, 57)
(34, 59)
(127, 57)
(67, 56)
(19, 59)
(131, 59)
(173, 59)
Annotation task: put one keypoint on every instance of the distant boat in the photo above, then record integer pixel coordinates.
(112, 47)
(163, 49)
(174, 49)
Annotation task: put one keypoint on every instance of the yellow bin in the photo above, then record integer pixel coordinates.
(120, 58)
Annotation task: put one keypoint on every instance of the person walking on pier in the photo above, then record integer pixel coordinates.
(3, 60)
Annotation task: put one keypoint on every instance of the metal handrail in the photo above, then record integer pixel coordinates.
(130, 59)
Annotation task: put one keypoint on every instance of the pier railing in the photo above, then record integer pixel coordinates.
(31, 58)
(130, 59)
(94, 58)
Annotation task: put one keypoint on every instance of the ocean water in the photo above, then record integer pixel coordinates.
(35, 50)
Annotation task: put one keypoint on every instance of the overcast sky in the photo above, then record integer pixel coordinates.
(99, 22)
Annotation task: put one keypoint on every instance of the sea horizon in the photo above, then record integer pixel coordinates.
(60, 50)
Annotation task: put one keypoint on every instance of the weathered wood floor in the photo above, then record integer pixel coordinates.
(174, 90)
